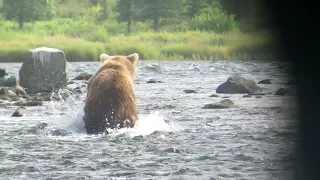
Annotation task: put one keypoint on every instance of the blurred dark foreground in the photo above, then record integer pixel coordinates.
(295, 21)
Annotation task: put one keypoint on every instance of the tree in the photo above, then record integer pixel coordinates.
(194, 7)
(126, 13)
(72, 8)
(249, 12)
(155, 10)
(104, 10)
(26, 10)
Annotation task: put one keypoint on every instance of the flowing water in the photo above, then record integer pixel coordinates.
(174, 139)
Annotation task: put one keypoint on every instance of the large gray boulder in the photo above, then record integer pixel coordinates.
(238, 85)
(44, 70)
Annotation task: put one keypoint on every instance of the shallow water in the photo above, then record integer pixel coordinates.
(175, 137)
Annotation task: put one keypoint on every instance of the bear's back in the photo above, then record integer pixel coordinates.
(111, 96)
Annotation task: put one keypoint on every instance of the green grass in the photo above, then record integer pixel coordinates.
(109, 38)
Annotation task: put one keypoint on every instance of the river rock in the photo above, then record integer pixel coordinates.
(238, 85)
(151, 81)
(214, 95)
(265, 81)
(83, 76)
(19, 90)
(282, 91)
(70, 82)
(33, 103)
(44, 70)
(7, 94)
(11, 81)
(291, 91)
(258, 94)
(41, 97)
(188, 91)
(21, 111)
(3, 73)
(226, 103)
(11, 94)
(3, 91)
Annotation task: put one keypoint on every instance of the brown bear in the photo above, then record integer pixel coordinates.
(111, 101)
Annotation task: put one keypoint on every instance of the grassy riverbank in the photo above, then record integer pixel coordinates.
(92, 40)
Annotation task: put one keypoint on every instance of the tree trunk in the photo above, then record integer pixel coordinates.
(156, 17)
(129, 26)
(156, 24)
(129, 16)
(20, 20)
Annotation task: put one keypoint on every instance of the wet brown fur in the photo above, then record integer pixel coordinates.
(111, 100)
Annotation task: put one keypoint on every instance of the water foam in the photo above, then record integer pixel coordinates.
(146, 125)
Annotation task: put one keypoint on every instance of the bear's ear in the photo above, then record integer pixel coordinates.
(103, 57)
(133, 58)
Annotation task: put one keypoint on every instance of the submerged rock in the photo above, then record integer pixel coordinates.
(214, 95)
(154, 81)
(265, 81)
(281, 92)
(21, 111)
(33, 103)
(226, 103)
(70, 82)
(238, 85)
(83, 76)
(188, 91)
(29, 103)
(291, 91)
(41, 97)
(258, 93)
(44, 70)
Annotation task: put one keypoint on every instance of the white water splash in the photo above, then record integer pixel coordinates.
(71, 119)
(146, 125)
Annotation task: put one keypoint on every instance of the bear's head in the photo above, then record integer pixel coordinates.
(128, 61)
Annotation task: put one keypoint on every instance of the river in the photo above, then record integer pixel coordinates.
(174, 139)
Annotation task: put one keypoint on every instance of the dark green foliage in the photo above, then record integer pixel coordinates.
(250, 13)
(194, 7)
(155, 10)
(143, 15)
(26, 10)
(213, 20)
(126, 12)
(104, 10)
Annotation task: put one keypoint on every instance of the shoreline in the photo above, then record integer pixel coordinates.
(190, 45)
